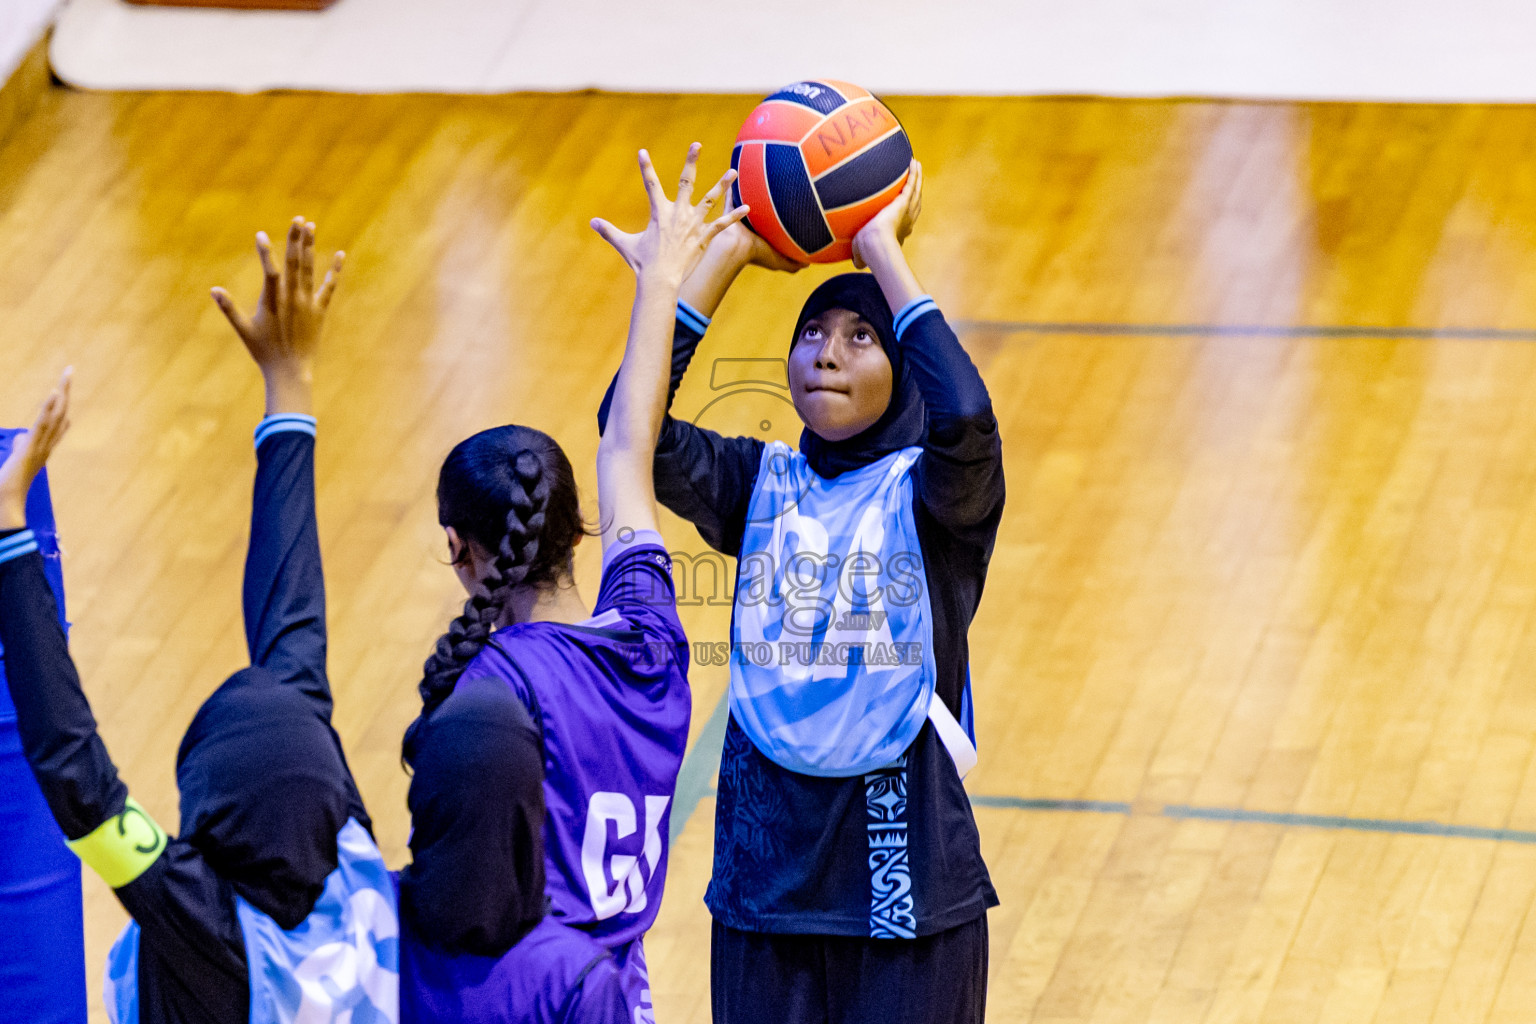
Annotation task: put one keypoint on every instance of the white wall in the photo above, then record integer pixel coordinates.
(1456, 50)
(22, 24)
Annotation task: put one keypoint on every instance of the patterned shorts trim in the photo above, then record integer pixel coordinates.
(892, 912)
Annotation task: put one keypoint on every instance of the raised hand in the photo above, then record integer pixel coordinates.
(749, 247)
(895, 222)
(284, 331)
(29, 454)
(677, 236)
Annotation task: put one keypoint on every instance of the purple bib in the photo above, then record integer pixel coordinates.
(611, 698)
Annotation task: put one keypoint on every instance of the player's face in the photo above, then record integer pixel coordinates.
(839, 376)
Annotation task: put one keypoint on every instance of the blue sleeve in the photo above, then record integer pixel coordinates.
(707, 479)
(687, 331)
(700, 475)
(284, 592)
(960, 475)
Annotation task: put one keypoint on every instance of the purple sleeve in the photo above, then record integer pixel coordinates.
(597, 998)
(628, 541)
(637, 583)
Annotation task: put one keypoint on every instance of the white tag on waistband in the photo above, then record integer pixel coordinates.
(959, 745)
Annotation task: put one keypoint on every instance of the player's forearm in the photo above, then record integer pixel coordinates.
(640, 392)
(951, 386)
(888, 263)
(289, 389)
(283, 593)
(687, 331)
(13, 511)
(706, 287)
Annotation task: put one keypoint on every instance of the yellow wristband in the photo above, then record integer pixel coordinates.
(122, 848)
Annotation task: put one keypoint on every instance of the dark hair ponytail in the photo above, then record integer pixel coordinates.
(510, 490)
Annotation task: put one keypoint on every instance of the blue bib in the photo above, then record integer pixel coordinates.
(121, 991)
(342, 963)
(832, 633)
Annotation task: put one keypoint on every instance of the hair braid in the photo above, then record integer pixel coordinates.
(516, 554)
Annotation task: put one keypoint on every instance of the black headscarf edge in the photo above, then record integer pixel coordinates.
(264, 791)
(476, 880)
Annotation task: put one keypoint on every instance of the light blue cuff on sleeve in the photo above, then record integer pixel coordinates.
(911, 311)
(16, 545)
(691, 318)
(628, 540)
(284, 423)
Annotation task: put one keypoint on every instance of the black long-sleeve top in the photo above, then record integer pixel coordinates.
(192, 962)
(792, 852)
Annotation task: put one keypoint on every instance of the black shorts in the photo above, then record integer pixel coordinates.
(835, 979)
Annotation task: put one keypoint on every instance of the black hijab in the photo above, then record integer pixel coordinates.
(903, 422)
(264, 790)
(476, 879)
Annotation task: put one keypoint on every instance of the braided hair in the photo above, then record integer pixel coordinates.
(511, 490)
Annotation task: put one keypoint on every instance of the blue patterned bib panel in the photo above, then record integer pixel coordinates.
(121, 991)
(341, 965)
(831, 659)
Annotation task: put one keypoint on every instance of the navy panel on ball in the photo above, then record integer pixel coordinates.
(736, 185)
(816, 95)
(794, 198)
(867, 174)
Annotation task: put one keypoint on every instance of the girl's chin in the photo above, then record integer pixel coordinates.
(825, 415)
(833, 431)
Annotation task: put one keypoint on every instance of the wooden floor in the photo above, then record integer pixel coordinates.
(1287, 572)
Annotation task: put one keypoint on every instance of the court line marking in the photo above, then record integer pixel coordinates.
(1238, 815)
(1020, 803)
(1246, 330)
(1340, 822)
(695, 779)
(695, 783)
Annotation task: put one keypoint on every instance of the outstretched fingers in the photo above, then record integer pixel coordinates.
(307, 262)
(715, 194)
(328, 286)
(29, 454)
(653, 189)
(269, 274)
(236, 319)
(622, 241)
(606, 231)
(725, 220)
(690, 174)
(291, 273)
(52, 421)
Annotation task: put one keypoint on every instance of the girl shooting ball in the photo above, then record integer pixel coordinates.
(848, 882)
